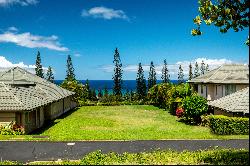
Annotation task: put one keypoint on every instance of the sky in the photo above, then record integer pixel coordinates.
(90, 30)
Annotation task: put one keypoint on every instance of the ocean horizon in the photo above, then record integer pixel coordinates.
(101, 84)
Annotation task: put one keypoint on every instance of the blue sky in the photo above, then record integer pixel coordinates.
(90, 30)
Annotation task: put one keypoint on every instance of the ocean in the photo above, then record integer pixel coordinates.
(101, 84)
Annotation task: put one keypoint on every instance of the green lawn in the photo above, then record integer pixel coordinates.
(121, 123)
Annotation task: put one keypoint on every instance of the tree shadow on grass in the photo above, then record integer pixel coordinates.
(50, 123)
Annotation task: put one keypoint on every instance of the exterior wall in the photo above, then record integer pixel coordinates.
(6, 117)
(56, 109)
(218, 111)
(210, 92)
(221, 112)
(33, 119)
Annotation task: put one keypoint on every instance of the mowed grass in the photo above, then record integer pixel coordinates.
(122, 123)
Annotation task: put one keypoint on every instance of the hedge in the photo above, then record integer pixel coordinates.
(159, 157)
(223, 125)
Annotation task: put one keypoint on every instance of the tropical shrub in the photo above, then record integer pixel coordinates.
(160, 94)
(179, 112)
(11, 129)
(159, 157)
(195, 106)
(76, 87)
(223, 125)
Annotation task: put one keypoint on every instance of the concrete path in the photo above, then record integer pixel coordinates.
(31, 151)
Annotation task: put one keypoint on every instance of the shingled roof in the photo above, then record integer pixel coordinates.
(235, 102)
(21, 90)
(225, 74)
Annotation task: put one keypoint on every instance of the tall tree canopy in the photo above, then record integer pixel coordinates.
(141, 87)
(117, 77)
(196, 70)
(70, 75)
(190, 74)
(152, 75)
(50, 75)
(39, 68)
(225, 14)
(165, 75)
(203, 68)
(180, 75)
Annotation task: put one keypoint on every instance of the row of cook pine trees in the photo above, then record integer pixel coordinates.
(141, 86)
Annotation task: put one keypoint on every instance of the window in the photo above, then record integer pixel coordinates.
(229, 89)
(201, 89)
(216, 92)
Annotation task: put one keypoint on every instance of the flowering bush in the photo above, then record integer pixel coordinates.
(12, 129)
(179, 112)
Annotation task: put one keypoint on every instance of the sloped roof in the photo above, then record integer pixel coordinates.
(235, 102)
(225, 74)
(22, 90)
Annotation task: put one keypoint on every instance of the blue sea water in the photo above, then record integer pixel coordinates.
(101, 84)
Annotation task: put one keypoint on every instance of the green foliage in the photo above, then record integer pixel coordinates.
(224, 125)
(180, 75)
(75, 86)
(39, 68)
(11, 129)
(225, 14)
(141, 87)
(152, 76)
(117, 77)
(160, 94)
(194, 107)
(50, 75)
(203, 68)
(168, 95)
(157, 157)
(165, 75)
(166, 157)
(70, 75)
(190, 73)
(196, 70)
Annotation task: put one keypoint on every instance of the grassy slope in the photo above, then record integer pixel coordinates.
(124, 123)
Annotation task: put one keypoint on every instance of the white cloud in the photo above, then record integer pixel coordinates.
(105, 13)
(32, 41)
(18, 2)
(12, 29)
(173, 68)
(5, 65)
(77, 55)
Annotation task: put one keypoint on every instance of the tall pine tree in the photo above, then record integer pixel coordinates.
(50, 75)
(117, 77)
(180, 75)
(152, 75)
(203, 68)
(70, 76)
(196, 70)
(39, 68)
(165, 75)
(141, 87)
(190, 74)
(207, 68)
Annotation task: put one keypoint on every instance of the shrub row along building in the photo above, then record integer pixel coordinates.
(30, 100)
(226, 89)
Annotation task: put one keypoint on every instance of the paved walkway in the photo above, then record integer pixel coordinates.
(31, 151)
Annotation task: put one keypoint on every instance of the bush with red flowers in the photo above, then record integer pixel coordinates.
(179, 112)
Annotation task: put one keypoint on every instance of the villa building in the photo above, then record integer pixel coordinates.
(235, 104)
(221, 81)
(30, 100)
